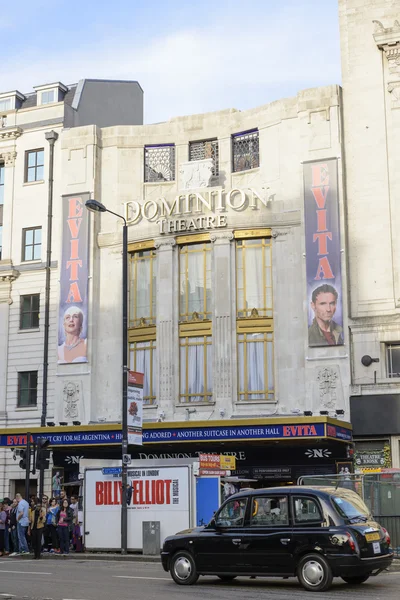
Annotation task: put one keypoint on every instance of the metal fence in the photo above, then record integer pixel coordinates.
(380, 492)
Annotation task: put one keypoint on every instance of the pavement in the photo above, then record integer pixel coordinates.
(80, 578)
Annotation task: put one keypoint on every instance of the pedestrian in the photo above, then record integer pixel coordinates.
(75, 529)
(7, 508)
(3, 518)
(22, 523)
(13, 527)
(63, 496)
(37, 520)
(65, 518)
(51, 524)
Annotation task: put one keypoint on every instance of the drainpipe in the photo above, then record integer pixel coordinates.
(51, 137)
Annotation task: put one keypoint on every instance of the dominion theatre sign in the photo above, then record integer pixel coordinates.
(186, 211)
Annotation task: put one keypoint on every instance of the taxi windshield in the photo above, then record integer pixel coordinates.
(349, 505)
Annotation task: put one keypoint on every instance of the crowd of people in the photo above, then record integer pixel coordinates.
(40, 525)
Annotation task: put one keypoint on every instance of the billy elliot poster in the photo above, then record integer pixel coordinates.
(73, 309)
(323, 270)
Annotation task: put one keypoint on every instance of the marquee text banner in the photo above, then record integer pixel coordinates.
(190, 434)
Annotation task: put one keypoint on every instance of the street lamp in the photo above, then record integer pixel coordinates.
(95, 206)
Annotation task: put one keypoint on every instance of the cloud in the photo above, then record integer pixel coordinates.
(243, 63)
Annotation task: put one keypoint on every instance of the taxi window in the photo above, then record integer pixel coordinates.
(269, 511)
(306, 510)
(232, 514)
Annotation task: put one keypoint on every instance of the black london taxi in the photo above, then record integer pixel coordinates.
(312, 533)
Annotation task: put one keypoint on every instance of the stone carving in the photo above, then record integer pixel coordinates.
(196, 174)
(8, 158)
(71, 399)
(6, 280)
(221, 237)
(388, 40)
(165, 243)
(279, 232)
(327, 382)
(379, 28)
(394, 90)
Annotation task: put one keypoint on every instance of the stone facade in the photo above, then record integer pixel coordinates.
(269, 197)
(370, 47)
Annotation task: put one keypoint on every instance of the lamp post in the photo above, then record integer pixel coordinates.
(96, 206)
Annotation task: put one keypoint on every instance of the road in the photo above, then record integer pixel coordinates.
(59, 579)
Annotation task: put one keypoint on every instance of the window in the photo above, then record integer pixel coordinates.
(27, 388)
(29, 317)
(5, 104)
(245, 151)
(232, 514)
(393, 359)
(195, 281)
(195, 369)
(159, 163)
(195, 329)
(142, 288)
(32, 244)
(203, 150)
(269, 511)
(254, 277)
(254, 305)
(306, 510)
(142, 316)
(48, 97)
(143, 360)
(34, 165)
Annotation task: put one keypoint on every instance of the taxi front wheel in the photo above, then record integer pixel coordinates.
(183, 568)
(314, 573)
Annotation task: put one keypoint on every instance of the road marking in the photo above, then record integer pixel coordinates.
(137, 577)
(26, 572)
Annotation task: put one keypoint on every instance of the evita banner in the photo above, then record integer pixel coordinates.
(322, 231)
(73, 309)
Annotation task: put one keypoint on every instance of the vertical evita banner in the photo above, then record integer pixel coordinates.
(135, 407)
(73, 309)
(323, 269)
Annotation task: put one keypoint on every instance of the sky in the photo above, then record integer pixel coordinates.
(190, 56)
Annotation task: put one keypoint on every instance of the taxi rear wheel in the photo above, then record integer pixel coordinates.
(356, 580)
(183, 568)
(314, 573)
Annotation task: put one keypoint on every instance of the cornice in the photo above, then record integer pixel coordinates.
(10, 133)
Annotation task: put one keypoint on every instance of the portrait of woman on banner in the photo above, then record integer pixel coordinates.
(73, 348)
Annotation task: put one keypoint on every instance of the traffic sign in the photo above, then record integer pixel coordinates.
(111, 471)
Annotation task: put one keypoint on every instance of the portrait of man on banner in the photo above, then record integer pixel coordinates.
(324, 330)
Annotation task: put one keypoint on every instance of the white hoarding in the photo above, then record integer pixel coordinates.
(154, 494)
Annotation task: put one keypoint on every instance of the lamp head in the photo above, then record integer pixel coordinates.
(95, 206)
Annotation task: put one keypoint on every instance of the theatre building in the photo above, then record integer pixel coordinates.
(236, 254)
(234, 220)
